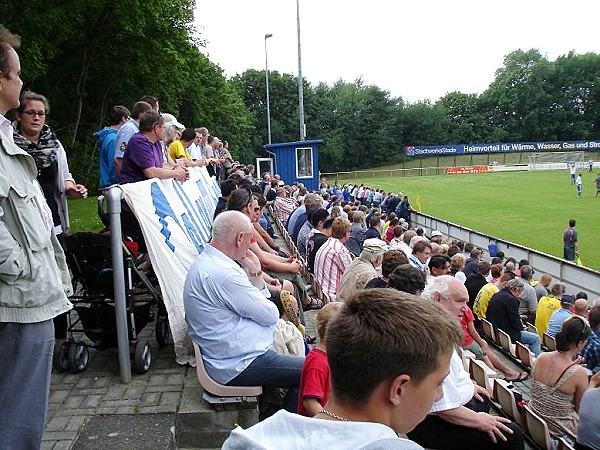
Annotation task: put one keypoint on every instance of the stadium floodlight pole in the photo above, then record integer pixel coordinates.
(300, 87)
(267, 36)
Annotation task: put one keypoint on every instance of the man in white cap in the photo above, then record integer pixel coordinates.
(436, 236)
(362, 269)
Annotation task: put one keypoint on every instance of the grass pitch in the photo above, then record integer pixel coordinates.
(529, 208)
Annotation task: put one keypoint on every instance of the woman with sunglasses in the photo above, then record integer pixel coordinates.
(559, 382)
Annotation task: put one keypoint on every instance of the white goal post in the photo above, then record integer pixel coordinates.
(556, 160)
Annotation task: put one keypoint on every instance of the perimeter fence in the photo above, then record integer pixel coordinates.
(576, 278)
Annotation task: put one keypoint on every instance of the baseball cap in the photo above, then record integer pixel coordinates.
(171, 120)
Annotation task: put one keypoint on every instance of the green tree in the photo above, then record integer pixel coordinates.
(360, 125)
(578, 96)
(425, 124)
(87, 56)
(520, 100)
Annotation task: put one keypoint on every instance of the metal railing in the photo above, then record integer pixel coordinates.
(576, 278)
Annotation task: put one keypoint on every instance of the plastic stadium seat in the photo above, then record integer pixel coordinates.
(466, 357)
(479, 374)
(488, 330)
(505, 342)
(219, 390)
(549, 341)
(525, 355)
(506, 398)
(531, 328)
(537, 429)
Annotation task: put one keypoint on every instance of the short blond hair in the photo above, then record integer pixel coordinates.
(324, 315)
(340, 227)
(457, 261)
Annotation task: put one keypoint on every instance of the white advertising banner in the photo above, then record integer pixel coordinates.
(176, 220)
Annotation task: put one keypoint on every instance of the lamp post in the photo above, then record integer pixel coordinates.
(267, 36)
(300, 87)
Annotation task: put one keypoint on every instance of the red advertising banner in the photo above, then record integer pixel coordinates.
(466, 169)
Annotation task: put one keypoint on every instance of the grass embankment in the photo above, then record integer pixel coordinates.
(83, 215)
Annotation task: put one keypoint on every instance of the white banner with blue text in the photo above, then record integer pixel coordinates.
(176, 220)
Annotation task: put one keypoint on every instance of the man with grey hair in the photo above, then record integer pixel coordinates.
(230, 317)
(528, 298)
(362, 269)
(503, 313)
(460, 418)
(299, 217)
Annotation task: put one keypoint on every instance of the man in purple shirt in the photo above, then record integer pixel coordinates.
(143, 160)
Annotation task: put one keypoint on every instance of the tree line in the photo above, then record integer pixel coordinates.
(87, 56)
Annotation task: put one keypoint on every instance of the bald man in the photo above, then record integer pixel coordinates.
(580, 307)
(460, 418)
(541, 289)
(230, 317)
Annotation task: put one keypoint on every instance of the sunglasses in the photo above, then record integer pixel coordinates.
(586, 326)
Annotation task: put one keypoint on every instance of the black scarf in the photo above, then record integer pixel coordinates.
(44, 152)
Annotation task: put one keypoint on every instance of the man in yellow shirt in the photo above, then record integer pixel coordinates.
(546, 306)
(178, 149)
(487, 291)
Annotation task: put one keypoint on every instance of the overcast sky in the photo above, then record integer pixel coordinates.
(414, 49)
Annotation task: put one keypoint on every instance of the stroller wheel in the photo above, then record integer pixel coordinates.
(79, 356)
(61, 356)
(143, 357)
(162, 331)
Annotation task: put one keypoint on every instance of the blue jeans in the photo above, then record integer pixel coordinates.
(26, 356)
(274, 370)
(532, 341)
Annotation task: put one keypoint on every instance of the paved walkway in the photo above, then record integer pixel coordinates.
(76, 398)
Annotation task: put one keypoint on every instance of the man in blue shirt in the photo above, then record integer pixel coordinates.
(560, 315)
(230, 317)
(571, 247)
(107, 137)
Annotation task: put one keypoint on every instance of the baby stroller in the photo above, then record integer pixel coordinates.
(89, 259)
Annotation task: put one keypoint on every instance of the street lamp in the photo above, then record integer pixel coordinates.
(267, 36)
(300, 86)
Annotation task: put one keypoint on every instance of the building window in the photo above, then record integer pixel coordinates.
(304, 162)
